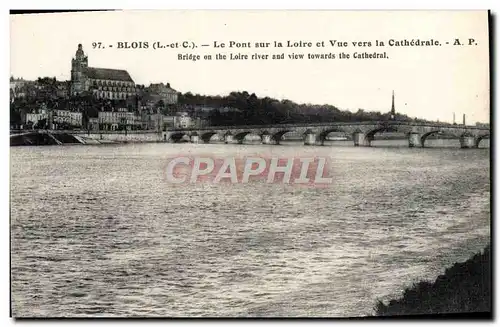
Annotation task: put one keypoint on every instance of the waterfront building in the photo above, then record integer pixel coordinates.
(158, 121)
(200, 122)
(180, 120)
(183, 120)
(93, 124)
(32, 118)
(153, 121)
(120, 119)
(102, 83)
(169, 122)
(66, 118)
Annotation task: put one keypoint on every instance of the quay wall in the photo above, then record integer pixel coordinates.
(130, 136)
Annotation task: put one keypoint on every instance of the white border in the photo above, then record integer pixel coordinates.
(189, 4)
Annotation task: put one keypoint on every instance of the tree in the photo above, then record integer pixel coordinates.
(41, 124)
(215, 117)
(160, 104)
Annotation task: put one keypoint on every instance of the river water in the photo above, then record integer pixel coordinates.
(98, 231)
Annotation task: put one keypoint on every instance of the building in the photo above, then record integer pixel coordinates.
(152, 121)
(66, 118)
(35, 115)
(93, 124)
(102, 83)
(169, 122)
(183, 120)
(163, 92)
(121, 119)
(62, 89)
(56, 119)
(32, 119)
(200, 122)
(17, 87)
(484, 125)
(158, 97)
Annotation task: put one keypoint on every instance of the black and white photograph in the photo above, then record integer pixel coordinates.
(250, 164)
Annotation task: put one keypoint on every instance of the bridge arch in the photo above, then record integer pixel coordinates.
(480, 138)
(206, 137)
(240, 137)
(177, 137)
(324, 134)
(424, 137)
(279, 135)
(370, 135)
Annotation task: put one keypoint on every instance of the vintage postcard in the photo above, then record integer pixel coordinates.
(250, 163)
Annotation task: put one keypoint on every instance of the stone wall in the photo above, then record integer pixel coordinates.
(123, 137)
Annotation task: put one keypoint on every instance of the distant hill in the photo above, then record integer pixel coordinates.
(252, 110)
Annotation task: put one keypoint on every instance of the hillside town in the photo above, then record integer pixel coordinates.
(99, 99)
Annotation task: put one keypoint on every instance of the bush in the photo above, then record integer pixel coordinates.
(464, 288)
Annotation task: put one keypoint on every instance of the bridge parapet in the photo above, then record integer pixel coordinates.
(361, 132)
(330, 124)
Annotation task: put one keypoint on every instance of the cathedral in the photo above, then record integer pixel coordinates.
(102, 83)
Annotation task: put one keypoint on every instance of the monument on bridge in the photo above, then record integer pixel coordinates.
(393, 109)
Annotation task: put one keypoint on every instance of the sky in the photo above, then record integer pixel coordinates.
(429, 82)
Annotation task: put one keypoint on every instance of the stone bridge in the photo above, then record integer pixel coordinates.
(362, 133)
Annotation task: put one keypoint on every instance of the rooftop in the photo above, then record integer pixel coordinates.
(108, 74)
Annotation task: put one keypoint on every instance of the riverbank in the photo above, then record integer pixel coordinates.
(47, 137)
(463, 288)
(37, 138)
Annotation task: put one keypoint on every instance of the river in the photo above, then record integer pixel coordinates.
(98, 231)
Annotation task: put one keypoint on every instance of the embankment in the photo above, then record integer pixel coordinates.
(40, 138)
(130, 136)
(48, 137)
(463, 288)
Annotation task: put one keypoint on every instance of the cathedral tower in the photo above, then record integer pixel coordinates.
(78, 66)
